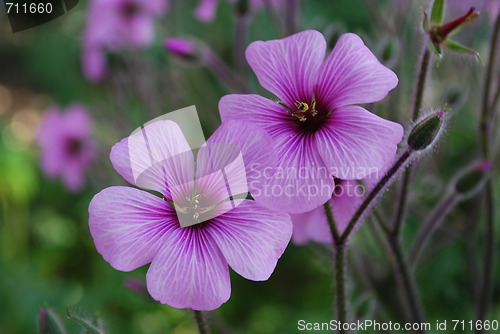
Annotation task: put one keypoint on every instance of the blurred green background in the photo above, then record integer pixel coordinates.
(47, 256)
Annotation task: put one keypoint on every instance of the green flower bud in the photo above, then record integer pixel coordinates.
(425, 132)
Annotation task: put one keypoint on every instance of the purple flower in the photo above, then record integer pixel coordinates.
(205, 11)
(318, 130)
(189, 265)
(114, 25)
(65, 138)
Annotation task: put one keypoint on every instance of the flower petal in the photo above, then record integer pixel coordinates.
(355, 143)
(352, 75)
(129, 226)
(314, 226)
(251, 238)
(143, 157)
(256, 147)
(189, 271)
(311, 226)
(301, 181)
(252, 108)
(205, 11)
(287, 67)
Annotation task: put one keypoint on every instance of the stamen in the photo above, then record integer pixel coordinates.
(301, 106)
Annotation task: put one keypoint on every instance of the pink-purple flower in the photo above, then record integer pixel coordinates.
(114, 25)
(206, 9)
(189, 265)
(65, 138)
(319, 130)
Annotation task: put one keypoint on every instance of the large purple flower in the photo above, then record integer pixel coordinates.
(113, 25)
(318, 130)
(189, 265)
(65, 138)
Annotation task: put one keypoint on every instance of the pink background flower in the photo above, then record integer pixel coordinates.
(65, 138)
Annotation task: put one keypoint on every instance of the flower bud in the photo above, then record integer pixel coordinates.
(425, 132)
(472, 179)
(181, 48)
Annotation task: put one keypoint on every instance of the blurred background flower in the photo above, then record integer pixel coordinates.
(65, 138)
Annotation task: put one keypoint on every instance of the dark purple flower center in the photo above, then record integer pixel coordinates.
(309, 118)
(74, 146)
(130, 9)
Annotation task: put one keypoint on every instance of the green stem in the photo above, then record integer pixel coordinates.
(331, 222)
(404, 275)
(373, 195)
(485, 292)
(422, 78)
(339, 268)
(340, 285)
(201, 324)
(403, 196)
(431, 224)
(403, 272)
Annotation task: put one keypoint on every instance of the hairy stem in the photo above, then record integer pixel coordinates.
(339, 268)
(291, 16)
(340, 285)
(486, 290)
(403, 271)
(201, 324)
(220, 69)
(419, 95)
(331, 223)
(374, 193)
(430, 226)
(240, 42)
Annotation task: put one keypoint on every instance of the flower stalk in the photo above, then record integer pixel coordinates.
(201, 323)
(430, 226)
(419, 95)
(485, 292)
(370, 199)
(339, 268)
(340, 286)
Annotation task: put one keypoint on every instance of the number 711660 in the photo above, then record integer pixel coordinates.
(478, 325)
(29, 8)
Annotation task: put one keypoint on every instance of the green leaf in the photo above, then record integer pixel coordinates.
(425, 23)
(459, 48)
(50, 323)
(89, 324)
(437, 12)
(436, 49)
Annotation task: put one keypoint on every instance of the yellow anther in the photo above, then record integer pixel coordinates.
(302, 107)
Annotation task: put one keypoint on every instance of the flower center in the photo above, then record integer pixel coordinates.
(309, 117)
(130, 9)
(74, 146)
(193, 208)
